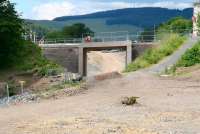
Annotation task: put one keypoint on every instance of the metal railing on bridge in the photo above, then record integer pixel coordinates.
(136, 38)
(98, 37)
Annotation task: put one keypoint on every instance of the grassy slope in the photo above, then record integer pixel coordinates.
(167, 46)
(188, 63)
(33, 60)
(30, 60)
(191, 57)
(30, 66)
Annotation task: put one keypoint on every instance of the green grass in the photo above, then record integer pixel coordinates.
(191, 57)
(64, 85)
(32, 60)
(169, 43)
(57, 89)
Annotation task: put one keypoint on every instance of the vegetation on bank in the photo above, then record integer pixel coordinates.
(171, 35)
(33, 61)
(77, 30)
(176, 25)
(167, 46)
(16, 53)
(191, 58)
(64, 88)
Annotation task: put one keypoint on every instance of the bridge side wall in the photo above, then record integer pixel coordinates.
(140, 49)
(65, 56)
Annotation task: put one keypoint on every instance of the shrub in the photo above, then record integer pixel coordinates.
(31, 59)
(191, 57)
(129, 100)
(152, 56)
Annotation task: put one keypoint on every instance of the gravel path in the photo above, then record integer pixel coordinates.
(171, 60)
(166, 106)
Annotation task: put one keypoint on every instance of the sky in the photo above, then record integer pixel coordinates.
(49, 9)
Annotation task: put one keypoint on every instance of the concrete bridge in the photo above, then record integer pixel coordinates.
(72, 54)
(77, 53)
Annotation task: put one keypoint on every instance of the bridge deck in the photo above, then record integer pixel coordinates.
(88, 45)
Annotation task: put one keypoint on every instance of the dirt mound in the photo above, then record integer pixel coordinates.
(105, 62)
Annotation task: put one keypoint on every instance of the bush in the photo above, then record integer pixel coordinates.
(31, 59)
(191, 57)
(152, 56)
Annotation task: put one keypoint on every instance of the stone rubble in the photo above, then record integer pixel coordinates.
(24, 98)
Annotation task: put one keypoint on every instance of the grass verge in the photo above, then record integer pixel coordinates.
(62, 89)
(191, 58)
(167, 46)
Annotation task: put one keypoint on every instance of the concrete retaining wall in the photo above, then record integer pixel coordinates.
(139, 49)
(67, 57)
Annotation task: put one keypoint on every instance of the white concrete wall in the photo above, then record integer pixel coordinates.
(195, 15)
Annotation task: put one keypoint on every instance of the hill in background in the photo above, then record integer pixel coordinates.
(129, 19)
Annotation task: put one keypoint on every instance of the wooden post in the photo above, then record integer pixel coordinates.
(8, 93)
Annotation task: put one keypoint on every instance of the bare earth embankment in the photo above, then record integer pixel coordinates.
(166, 106)
(105, 62)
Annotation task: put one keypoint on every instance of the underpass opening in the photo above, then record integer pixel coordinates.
(104, 60)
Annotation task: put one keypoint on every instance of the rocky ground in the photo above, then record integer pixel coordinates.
(51, 87)
(18, 99)
(167, 105)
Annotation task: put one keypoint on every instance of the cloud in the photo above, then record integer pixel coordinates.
(51, 10)
(169, 4)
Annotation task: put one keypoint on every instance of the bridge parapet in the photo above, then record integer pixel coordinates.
(98, 37)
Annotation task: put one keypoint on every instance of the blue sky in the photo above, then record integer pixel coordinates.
(49, 9)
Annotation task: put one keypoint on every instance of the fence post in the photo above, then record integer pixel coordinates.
(127, 38)
(154, 33)
(22, 86)
(65, 75)
(8, 93)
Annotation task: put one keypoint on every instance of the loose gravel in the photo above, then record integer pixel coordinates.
(24, 98)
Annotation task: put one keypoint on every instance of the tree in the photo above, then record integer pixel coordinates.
(76, 31)
(177, 25)
(54, 35)
(10, 33)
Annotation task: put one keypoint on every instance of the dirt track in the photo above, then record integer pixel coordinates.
(166, 106)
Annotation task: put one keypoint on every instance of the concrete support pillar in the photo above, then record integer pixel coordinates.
(85, 62)
(128, 54)
(81, 61)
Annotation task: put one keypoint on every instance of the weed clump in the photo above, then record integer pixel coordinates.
(129, 100)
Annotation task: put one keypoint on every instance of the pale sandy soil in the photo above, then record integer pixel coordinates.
(101, 62)
(166, 106)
